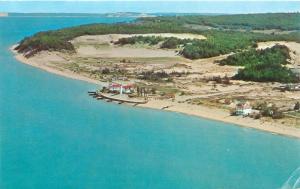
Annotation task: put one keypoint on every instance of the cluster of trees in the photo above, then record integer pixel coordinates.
(167, 42)
(143, 91)
(265, 73)
(151, 40)
(155, 76)
(173, 42)
(223, 42)
(262, 65)
(217, 43)
(277, 54)
(269, 111)
(42, 41)
(297, 106)
(105, 71)
(218, 79)
(200, 49)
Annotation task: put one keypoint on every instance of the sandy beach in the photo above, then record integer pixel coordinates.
(189, 109)
(223, 116)
(64, 73)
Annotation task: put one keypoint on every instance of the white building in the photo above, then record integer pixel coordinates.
(243, 108)
(122, 89)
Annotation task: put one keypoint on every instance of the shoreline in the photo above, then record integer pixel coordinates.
(69, 75)
(205, 112)
(221, 115)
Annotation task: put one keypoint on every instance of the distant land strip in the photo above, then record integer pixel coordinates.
(3, 14)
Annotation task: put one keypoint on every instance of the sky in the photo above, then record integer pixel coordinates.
(149, 0)
(149, 6)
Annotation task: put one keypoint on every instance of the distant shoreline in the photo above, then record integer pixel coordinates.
(188, 109)
(3, 14)
(81, 15)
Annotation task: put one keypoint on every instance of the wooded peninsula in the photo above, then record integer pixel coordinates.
(206, 65)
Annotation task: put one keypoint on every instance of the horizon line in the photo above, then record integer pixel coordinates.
(149, 1)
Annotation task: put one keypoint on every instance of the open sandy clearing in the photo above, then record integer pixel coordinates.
(112, 51)
(102, 46)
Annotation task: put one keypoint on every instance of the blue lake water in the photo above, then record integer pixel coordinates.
(53, 135)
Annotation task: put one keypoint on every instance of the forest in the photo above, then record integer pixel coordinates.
(218, 41)
(280, 21)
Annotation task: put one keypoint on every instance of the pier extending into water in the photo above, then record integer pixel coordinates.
(116, 98)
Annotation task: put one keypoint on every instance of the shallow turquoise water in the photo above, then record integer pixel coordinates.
(54, 136)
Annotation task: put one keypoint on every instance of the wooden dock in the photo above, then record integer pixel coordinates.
(102, 96)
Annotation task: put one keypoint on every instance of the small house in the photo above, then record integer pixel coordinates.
(122, 89)
(243, 108)
(127, 89)
(114, 87)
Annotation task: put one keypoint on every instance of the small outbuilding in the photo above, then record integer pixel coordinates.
(243, 108)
